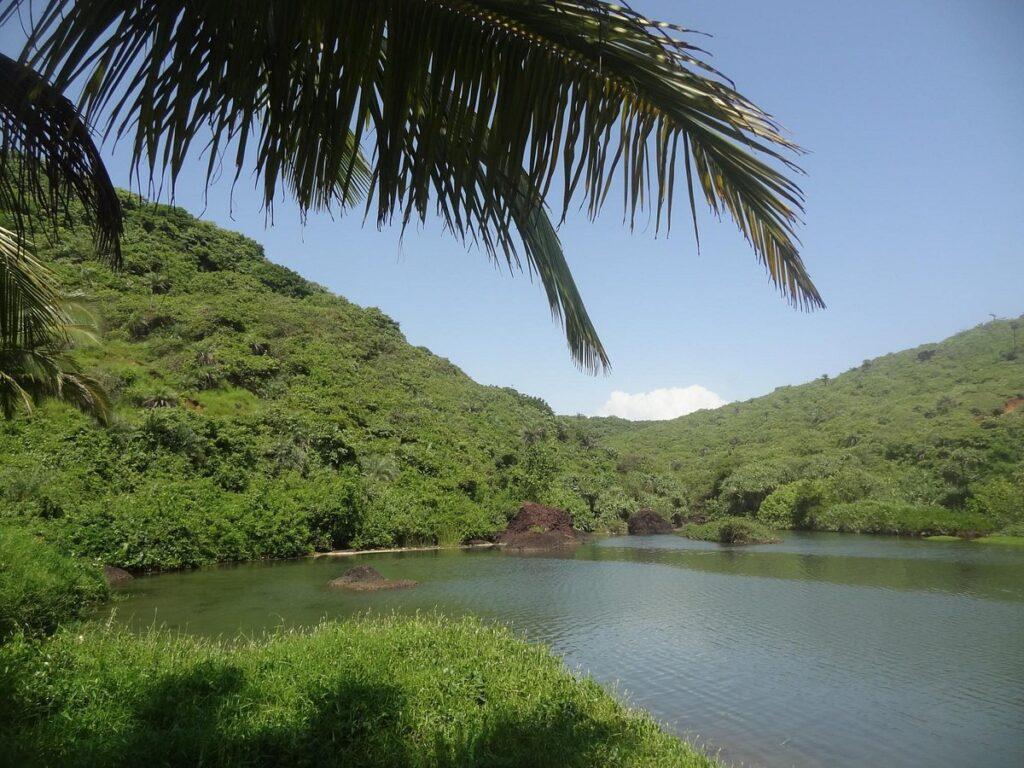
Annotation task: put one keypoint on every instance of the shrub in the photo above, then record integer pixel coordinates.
(745, 489)
(181, 524)
(788, 505)
(422, 693)
(1000, 499)
(1014, 529)
(874, 516)
(40, 587)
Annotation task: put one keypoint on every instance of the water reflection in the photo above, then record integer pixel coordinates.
(993, 575)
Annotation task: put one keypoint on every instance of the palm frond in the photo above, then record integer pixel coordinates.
(38, 324)
(31, 307)
(13, 396)
(48, 158)
(82, 391)
(585, 89)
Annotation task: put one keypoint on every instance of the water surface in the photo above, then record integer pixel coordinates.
(824, 650)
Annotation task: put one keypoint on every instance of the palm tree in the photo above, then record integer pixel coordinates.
(469, 108)
(37, 327)
(47, 158)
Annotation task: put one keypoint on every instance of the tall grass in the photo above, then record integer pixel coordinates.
(421, 692)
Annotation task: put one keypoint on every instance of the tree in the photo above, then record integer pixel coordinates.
(467, 108)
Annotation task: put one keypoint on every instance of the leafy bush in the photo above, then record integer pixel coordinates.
(168, 524)
(745, 489)
(1000, 500)
(1014, 529)
(873, 516)
(422, 693)
(789, 505)
(40, 587)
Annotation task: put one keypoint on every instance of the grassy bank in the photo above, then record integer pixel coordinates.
(41, 587)
(394, 692)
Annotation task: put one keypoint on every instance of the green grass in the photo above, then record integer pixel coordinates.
(730, 530)
(997, 538)
(41, 587)
(373, 692)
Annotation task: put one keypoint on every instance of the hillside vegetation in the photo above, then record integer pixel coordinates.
(257, 415)
(929, 439)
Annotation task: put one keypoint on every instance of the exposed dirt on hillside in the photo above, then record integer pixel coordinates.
(538, 527)
(1012, 404)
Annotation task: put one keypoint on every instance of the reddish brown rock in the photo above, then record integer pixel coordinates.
(647, 522)
(536, 526)
(115, 575)
(364, 578)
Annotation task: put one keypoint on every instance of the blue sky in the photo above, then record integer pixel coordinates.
(913, 113)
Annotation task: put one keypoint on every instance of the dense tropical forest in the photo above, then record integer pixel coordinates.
(257, 415)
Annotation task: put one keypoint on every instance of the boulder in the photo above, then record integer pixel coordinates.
(647, 522)
(115, 575)
(364, 578)
(536, 526)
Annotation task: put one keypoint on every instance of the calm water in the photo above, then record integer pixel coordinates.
(825, 650)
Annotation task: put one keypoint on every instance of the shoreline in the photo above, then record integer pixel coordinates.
(430, 548)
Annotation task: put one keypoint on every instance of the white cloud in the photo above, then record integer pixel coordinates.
(667, 403)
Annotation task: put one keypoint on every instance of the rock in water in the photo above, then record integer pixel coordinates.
(538, 527)
(115, 575)
(647, 522)
(364, 578)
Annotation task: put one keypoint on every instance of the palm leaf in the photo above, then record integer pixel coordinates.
(48, 158)
(584, 89)
(31, 307)
(37, 325)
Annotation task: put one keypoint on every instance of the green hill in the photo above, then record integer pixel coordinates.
(937, 428)
(258, 415)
